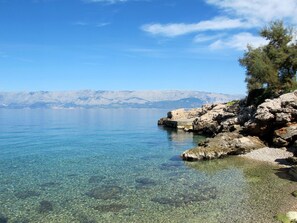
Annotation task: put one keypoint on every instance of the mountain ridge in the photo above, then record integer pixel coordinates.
(111, 99)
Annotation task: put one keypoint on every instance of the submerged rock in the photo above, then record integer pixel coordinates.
(49, 185)
(171, 166)
(111, 207)
(145, 183)
(105, 192)
(21, 221)
(188, 198)
(3, 218)
(45, 206)
(82, 218)
(26, 194)
(228, 143)
(96, 179)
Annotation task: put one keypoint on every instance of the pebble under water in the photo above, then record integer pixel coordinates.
(117, 165)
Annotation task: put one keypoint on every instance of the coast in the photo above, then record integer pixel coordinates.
(264, 132)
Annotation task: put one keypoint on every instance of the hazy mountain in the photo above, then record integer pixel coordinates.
(110, 99)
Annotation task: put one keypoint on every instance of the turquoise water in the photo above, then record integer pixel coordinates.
(119, 166)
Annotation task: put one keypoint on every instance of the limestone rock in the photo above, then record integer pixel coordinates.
(177, 114)
(285, 136)
(292, 215)
(216, 118)
(229, 143)
(273, 114)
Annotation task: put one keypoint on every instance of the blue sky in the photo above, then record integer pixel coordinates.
(131, 44)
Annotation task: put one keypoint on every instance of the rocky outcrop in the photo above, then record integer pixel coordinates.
(180, 118)
(228, 143)
(207, 120)
(273, 114)
(237, 127)
(285, 135)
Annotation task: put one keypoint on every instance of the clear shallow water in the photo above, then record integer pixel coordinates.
(119, 166)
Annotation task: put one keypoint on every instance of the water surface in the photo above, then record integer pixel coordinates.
(117, 165)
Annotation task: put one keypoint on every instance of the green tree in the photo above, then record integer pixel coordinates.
(273, 66)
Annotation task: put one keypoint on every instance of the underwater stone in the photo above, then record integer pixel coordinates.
(45, 206)
(171, 165)
(96, 179)
(3, 218)
(26, 194)
(85, 219)
(110, 207)
(21, 221)
(176, 159)
(145, 182)
(105, 192)
(294, 193)
(178, 200)
(49, 184)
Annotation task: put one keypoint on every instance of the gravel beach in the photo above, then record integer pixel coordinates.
(271, 155)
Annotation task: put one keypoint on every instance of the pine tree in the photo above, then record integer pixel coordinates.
(272, 67)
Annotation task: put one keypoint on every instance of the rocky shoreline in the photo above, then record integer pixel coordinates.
(237, 128)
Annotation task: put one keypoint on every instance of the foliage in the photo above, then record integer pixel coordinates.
(272, 67)
(231, 103)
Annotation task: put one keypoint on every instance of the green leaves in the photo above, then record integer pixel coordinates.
(273, 66)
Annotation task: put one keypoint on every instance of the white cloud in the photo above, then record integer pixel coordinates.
(259, 12)
(239, 42)
(205, 38)
(239, 15)
(177, 29)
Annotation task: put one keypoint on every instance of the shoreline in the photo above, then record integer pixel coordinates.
(270, 155)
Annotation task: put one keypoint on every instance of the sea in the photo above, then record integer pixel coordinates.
(118, 165)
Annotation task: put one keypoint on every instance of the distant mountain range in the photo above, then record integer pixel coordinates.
(110, 99)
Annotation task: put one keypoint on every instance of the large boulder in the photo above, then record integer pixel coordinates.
(177, 114)
(271, 115)
(285, 136)
(216, 118)
(227, 143)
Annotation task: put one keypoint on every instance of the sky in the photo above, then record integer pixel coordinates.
(59, 45)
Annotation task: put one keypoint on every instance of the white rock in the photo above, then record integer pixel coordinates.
(292, 215)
